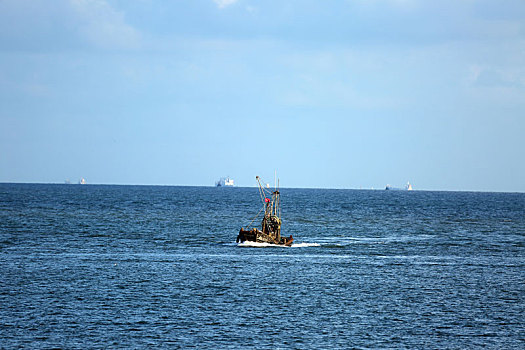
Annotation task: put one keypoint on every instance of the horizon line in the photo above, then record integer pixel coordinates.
(305, 188)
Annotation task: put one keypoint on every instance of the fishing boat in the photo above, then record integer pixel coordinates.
(270, 231)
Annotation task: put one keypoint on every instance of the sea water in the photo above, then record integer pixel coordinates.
(88, 266)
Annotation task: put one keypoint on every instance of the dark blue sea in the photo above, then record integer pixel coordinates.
(92, 266)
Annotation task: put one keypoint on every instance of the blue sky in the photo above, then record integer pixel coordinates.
(334, 94)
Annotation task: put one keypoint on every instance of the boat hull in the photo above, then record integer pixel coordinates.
(255, 235)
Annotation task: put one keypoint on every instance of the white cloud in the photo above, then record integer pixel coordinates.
(400, 4)
(42, 25)
(224, 3)
(104, 26)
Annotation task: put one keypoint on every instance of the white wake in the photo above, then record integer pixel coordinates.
(302, 245)
(264, 245)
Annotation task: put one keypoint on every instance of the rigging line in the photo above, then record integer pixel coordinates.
(261, 193)
(261, 184)
(255, 217)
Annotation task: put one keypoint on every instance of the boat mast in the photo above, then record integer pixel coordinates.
(278, 187)
(271, 200)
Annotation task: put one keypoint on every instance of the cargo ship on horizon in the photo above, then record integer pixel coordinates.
(225, 182)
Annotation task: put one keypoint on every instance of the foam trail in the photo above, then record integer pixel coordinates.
(302, 245)
(258, 245)
(264, 245)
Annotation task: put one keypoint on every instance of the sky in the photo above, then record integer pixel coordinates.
(328, 94)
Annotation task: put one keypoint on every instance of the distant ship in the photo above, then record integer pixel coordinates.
(408, 187)
(225, 182)
(82, 181)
